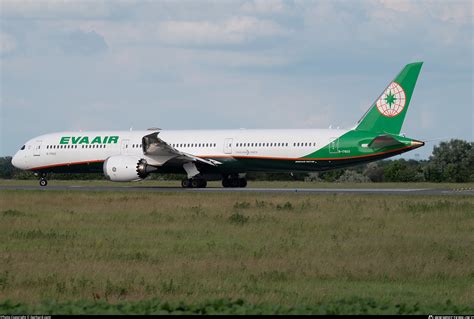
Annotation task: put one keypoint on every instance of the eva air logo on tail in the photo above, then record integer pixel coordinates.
(392, 101)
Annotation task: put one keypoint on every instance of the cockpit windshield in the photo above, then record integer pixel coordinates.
(22, 148)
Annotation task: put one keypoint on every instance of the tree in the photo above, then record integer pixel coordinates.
(6, 167)
(351, 176)
(451, 161)
(403, 171)
(374, 172)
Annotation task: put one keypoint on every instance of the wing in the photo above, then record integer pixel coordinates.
(161, 152)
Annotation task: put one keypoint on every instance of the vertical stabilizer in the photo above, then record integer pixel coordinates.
(387, 113)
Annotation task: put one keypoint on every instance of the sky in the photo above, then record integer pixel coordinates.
(115, 65)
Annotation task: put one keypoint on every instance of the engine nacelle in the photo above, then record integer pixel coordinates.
(123, 168)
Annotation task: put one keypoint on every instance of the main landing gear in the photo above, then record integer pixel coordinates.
(194, 183)
(234, 181)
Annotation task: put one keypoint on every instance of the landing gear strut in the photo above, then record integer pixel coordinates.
(194, 183)
(234, 181)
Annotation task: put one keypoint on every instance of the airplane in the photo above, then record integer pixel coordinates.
(227, 155)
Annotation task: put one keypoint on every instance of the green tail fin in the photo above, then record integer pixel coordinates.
(387, 113)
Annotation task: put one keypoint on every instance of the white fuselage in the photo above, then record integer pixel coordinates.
(64, 148)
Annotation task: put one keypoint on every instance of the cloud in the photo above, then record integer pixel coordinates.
(8, 43)
(456, 12)
(264, 7)
(86, 43)
(236, 30)
(56, 9)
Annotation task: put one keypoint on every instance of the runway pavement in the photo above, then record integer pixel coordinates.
(394, 191)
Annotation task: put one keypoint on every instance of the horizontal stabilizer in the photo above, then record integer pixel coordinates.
(383, 141)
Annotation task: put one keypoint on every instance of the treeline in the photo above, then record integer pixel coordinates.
(451, 161)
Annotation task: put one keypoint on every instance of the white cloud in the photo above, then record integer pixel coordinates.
(236, 30)
(55, 9)
(456, 12)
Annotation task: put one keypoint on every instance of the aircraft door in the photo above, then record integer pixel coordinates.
(228, 146)
(334, 145)
(125, 147)
(37, 148)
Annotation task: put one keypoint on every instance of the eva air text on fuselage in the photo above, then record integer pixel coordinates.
(89, 140)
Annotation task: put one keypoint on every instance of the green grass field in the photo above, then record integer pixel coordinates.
(281, 253)
(253, 184)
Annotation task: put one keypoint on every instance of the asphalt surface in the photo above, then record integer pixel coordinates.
(395, 191)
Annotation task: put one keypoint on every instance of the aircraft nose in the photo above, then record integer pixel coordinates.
(16, 161)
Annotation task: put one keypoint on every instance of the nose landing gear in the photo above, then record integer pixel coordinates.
(43, 181)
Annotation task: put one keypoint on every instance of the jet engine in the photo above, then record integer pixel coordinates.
(123, 168)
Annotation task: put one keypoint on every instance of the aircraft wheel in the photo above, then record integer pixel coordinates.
(185, 183)
(43, 182)
(226, 182)
(196, 183)
(235, 182)
(242, 182)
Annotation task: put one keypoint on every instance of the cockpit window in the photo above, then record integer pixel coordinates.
(22, 148)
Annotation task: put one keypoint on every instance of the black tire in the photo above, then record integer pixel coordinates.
(226, 182)
(43, 182)
(185, 183)
(195, 183)
(242, 182)
(234, 182)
